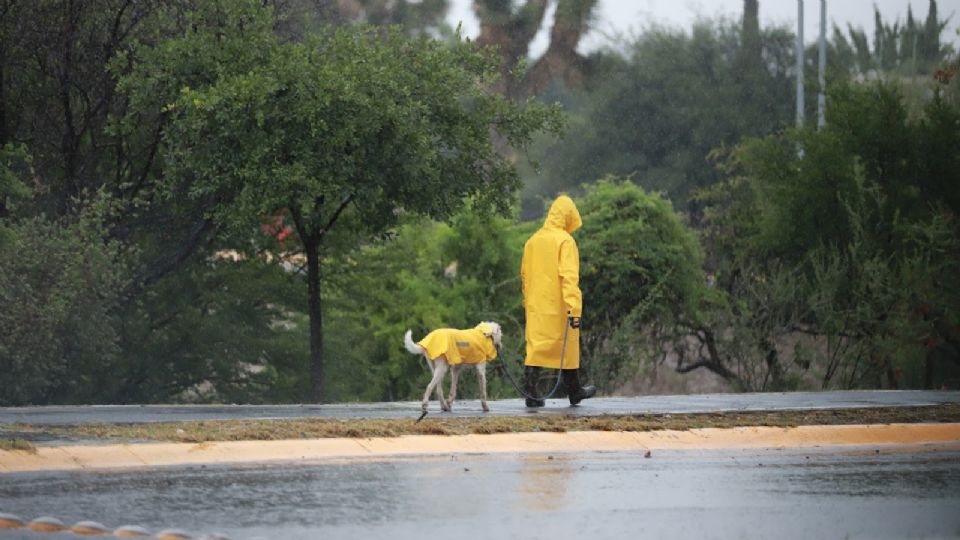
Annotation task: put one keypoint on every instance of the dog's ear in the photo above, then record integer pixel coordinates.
(486, 328)
(497, 334)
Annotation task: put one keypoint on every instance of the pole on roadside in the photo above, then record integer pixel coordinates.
(799, 63)
(822, 95)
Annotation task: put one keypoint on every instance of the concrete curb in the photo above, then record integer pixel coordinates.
(124, 456)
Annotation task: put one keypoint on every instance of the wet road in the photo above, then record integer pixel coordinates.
(471, 407)
(683, 494)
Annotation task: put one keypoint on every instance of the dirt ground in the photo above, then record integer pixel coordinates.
(23, 436)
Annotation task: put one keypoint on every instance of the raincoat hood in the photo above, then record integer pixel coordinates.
(563, 215)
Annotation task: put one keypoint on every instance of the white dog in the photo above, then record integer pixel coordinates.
(449, 347)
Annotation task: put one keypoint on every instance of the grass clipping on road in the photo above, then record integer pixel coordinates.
(437, 424)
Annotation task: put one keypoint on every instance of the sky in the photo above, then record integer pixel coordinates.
(626, 16)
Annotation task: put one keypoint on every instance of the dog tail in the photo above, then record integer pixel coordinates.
(408, 342)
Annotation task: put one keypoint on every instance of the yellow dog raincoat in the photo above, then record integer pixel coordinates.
(461, 346)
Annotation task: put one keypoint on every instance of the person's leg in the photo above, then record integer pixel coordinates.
(575, 392)
(530, 376)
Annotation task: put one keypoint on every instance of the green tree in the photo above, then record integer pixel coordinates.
(656, 115)
(59, 289)
(428, 275)
(217, 330)
(13, 161)
(641, 275)
(907, 48)
(356, 123)
(849, 244)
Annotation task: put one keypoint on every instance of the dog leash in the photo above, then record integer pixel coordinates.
(502, 366)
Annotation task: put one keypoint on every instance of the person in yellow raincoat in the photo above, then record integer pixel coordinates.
(549, 278)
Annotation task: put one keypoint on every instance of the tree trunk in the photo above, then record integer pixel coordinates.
(312, 248)
(510, 31)
(774, 370)
(561, 61)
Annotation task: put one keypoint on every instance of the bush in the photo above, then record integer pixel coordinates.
(60, 283)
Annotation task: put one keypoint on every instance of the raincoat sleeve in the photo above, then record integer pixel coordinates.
(570, 278)
(523, 279)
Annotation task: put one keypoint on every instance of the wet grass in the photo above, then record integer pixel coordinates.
(18, 444)
(437, 424)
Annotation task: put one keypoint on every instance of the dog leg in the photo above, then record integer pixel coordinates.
(454, 374)
(439, 368)
(482, 381)
(444, 404)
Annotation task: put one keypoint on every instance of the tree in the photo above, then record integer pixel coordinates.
(297, 18)
(356, 124)
(13, 159)
(56, 91)
(641, 275)
(428, 275)
(908, 48)
(510, 29)
(833, 264)
(657, 115)
(59, 289)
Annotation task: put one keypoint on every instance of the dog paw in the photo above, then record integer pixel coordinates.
(485, 408)
(423, 406)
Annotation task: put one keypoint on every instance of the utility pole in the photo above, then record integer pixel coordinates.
(800, 63)
(822, 95)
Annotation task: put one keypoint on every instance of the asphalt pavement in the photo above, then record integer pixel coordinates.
(667, 404)
(742, 494)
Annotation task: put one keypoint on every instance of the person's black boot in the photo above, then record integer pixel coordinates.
(575, 392)
(530, 376)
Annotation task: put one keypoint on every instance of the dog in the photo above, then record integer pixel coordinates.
(453, 348)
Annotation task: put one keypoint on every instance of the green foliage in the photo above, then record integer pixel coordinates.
(428, 276)
(800, 202)
(641, 276)
(12, 160)
(358, 114)
(907, 47)
(656, 115)
(222, 331)
(358, 122)
(12, 189)
(57, 92)
(60, 285)
(884, 295)
(851, 232)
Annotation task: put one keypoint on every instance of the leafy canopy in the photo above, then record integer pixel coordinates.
(357, 113)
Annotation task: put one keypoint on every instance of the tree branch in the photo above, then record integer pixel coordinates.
(166, 265)
(343, 205)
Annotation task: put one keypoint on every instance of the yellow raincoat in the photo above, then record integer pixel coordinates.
(461, 346)
(549, 277)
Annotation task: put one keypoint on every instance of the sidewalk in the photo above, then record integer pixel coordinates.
(125, 456)
(468, 406)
